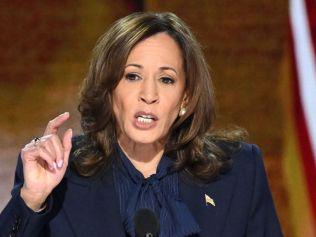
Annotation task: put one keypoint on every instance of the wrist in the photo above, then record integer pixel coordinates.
(35, 201)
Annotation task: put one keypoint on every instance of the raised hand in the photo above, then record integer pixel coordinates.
(45, 162)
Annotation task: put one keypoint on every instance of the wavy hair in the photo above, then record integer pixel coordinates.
(195, 148)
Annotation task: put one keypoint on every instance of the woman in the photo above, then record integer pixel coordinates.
(147, 108)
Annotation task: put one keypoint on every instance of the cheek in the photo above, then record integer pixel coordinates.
(122, 105)
(117, 107)
(173, 109)
(115, 104)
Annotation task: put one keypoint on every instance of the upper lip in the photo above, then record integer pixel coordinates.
(151, 115)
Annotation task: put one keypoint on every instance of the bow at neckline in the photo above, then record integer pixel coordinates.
(159, 193)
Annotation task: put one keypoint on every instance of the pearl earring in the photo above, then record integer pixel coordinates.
(182, 111)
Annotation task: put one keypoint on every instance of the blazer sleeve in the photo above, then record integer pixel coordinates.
(263, 220)
(17, 219)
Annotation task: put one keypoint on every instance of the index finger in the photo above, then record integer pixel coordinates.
(54, 124)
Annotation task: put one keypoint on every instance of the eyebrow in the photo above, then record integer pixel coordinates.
(161, 68)
(134, 65)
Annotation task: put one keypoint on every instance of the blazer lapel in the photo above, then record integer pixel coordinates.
(90, 205)
(211, 213)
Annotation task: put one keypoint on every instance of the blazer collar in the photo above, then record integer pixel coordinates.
(92, 201)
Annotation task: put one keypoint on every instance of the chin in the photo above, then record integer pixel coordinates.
(144, 139)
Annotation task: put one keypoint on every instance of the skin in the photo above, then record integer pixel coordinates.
(153, 81)
(45, 164)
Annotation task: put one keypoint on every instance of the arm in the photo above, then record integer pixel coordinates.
(40, 168)
(262, 220)
(17, 219)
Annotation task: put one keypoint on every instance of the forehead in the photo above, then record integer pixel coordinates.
(159, 48)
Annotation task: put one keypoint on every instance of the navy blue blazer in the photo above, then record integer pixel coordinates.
(88, 207)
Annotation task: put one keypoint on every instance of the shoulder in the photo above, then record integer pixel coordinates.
(247, 172)
(251, 185)
(246, 160)
(242, 156)
(246, 155)
(250, 158)
(242, 160)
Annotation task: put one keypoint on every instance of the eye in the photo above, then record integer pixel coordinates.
(167, 80)
(132, 77)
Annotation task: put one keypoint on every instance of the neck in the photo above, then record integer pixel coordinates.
(145, 157)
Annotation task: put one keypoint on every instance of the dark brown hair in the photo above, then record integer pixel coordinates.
(196, 150)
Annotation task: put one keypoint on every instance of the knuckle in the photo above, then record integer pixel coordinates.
(46, 137)
(27, 146)
(43, 143)
(23, 151)
(42, 152)
(48, 142)
(55, 138)
(26, 149)
(60, 152)
(49, 125)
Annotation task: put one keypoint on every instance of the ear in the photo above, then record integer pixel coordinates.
(185, 101)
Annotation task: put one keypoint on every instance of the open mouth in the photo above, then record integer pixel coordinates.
(145, 118)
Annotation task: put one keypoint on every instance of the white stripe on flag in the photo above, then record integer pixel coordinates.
(306, 66)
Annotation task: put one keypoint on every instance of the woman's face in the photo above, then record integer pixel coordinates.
(148, 98)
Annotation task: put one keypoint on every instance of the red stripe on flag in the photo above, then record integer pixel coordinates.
(305, 147)
(311, 16)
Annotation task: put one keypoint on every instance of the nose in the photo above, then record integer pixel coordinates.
(149, 91)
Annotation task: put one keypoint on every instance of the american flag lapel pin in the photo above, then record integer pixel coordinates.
(209, 200)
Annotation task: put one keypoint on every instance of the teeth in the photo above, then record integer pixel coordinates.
(142, 119)
(146, 116)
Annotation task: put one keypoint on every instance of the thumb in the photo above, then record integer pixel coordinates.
(67, 144)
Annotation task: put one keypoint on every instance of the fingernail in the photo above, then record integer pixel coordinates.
(51, 167)
(60, 163)
(66, 113)
(55, 165)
